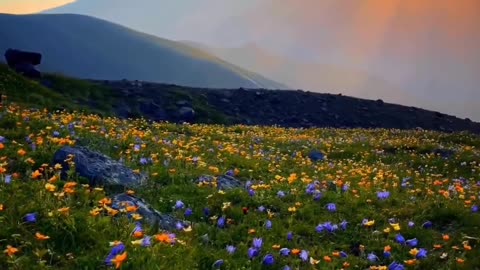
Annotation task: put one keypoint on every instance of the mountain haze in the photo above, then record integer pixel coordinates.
(87, 47)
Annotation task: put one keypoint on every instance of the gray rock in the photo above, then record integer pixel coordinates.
(149, 214)
(224, 182)
(186, 113)
(98, 168)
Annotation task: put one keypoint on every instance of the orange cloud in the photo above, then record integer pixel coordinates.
(30, 6)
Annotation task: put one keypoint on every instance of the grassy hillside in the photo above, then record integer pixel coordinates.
(381, 198)
(87, 47)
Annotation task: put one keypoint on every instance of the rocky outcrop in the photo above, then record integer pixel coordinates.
(223, 182)
(101, 170)
(24, 62)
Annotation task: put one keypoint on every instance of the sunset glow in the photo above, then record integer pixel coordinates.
(29, 6)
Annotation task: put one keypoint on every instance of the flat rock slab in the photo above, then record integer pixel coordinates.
(99, 169)
(224, 182)
(149, 214)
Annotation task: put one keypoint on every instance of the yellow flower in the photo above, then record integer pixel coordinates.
(50, 187)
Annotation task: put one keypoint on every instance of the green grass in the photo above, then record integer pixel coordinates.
(269, 157)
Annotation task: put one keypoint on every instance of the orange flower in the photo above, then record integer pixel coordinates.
(387, 248)
(21, 152)
(327, 258)
(138, 234)
(119, 260)
(295, 251)
(11, 251)
(460, 261)
(411, 262)
(2, 170)
(2, 146)
(131, 208)
(53, 179)
(41, 237)
(164, 238)
(36, 174)
(437, 246)
(346, 265)
(64, 210)
(252, 231)
(446, 237)
(130, 192)
(1, 207)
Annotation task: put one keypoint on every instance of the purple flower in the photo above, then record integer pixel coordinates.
(231, 249)
(251, 192)
(286, 267)
(427, 225)
(331, 207)
(179, 205)
(411, 224)
(252, 253)
(3, 140)
(280, 194)
(147, 241)
(318, 196)
(290, 236)
(304, 255)
(343, 254)
(8, 179)
(206, 212)
(371, 257)
(268, 260)
(343, 225)
(396, 266)
(400, 239)
(230, 173)
(188, 212)
(136, 147)
(248, 184)
(179, 226)
(268, 225)
(345, 188)
(221, 222)
(143, 161)
(56, 134)
(383, 195)
(138, 228)
(257, 243)
(412, 242)
(261, 208)
(116, 250)
(474, 208)
(218, 263)
(422, 254)
(284, 252)
(31, 217)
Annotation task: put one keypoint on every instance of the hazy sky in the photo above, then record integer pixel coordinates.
(29, 6)
(428, 49)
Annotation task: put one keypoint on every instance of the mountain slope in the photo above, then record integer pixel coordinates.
(308, 75)
(87, 47)
(164, 102)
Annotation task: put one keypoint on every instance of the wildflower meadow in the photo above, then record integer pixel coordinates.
(365, 199)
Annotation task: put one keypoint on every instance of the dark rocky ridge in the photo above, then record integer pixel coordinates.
(287, 108)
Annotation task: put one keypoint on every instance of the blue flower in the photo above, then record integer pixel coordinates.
(188, 212)
(261, 208)
(280, 194)
(318, 196)
(116, 250)
(475, 208)
(304, 255)
(230, 173)
(257, 243)
(143, 161)
(56, 134)
(179, 205)
(411, 224)
(343, 225)
(284, 252)
(422, 254)
(147, 241)
(31, 217)
(400, 239)
(221, 222)
(290, 236)
(218, 263)
(387, 254)
(206, 212)
(371, 257)
(251, 192)
(268, 260)
(252, 253)
(331, 207)
(343, 254)
(383, 195)
(412, 242)
(396, 266)
(8, 179)
(427, 225)
(179, 226)
(286, 267)
(268, 225)
(231, 249)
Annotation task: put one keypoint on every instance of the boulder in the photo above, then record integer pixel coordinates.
(149, 214)
(224, 182)
(186, 113)
(24, 62)
(98, 168)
